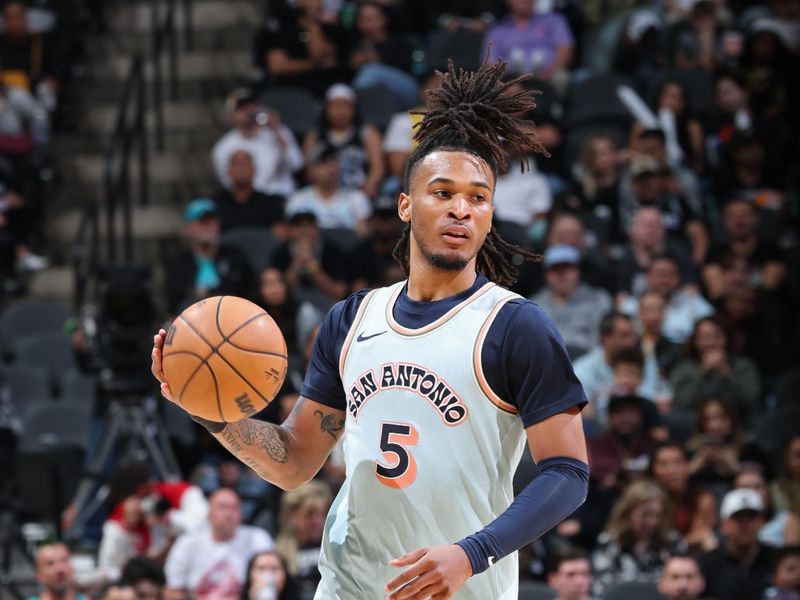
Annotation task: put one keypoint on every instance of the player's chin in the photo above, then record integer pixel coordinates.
(450, 260)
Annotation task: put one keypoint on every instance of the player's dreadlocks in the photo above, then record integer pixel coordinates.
(471, 112)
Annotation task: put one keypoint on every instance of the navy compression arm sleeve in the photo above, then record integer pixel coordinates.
(558, 490)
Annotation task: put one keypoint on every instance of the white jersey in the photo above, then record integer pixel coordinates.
(430, 450)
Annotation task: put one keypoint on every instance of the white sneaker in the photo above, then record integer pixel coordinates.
(32, 262)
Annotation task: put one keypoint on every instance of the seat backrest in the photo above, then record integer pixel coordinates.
(594, 101)
(345, 239)
(77, 387)
(29, 316)
(633, 590)
(51, 351)
(775, 430)
(297, 108)
(257, 243)
(376, 105)
(25, 386)
(535, 590)
(464, 47)
(787, 389)
(54, 426)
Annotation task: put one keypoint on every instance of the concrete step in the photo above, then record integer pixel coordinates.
(56, 283)
(109, 91)
(174, 194)
(232, 37)
(177, 140)
(164, 168)
(227, 65)
(178, 115)
(206, 15)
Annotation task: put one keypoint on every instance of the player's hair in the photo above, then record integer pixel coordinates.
(471, 112)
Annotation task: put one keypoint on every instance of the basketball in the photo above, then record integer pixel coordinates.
(224, 358)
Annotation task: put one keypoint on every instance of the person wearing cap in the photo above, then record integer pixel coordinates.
(336, 206)
(312, 265)
(358, 147)
(258, 130)
(207, 267)
(575, 307)
(741, 567)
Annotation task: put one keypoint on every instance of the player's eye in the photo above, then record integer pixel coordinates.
(441, 194)
(480, 198)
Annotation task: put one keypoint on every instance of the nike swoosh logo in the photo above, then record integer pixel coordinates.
(363, 338)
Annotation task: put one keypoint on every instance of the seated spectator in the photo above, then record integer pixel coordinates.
(357, 146)
(254, 493)
(302, 522)
(595, 197)
(741, 567)
(212, 562)
(636, 540)
(269, 579)
(696, 42)
(258, 130)
(782, 527)
(786, 576)
(660, 354)
(207, 268)
(685, 306)
(570, 574)
(16, 230)
(28, 59)
(54, 574)
(648, 240)
(241, 205)
(301, 49)
(373, 261)
(426, 16)
(621, 454)
(532, 42)
(125, 534)
(379, 57)
(639, 52)
(336, 205)
(575, 307)
(310, 262)
(398, 142)
(717, 447)
(681, 578)
(24, 124)
(786, 488)
(709, 369)
(566, 228)
(765, 262)
(145, 576)
(747, 173)
(289, 313)
(694, 510)
(732, 114)
(116, 591)
(522, 198)
(685, 133)
(654, 186)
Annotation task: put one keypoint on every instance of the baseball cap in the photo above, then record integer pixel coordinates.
(741, 499)
(301, 213)
(561, 254)
(199, 208)
(618, 401)
(340, 91)
(643, 165)
(238, 98)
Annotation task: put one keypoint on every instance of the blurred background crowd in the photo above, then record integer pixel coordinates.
(666, 214)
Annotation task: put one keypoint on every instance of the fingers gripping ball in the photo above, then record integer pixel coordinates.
(224, 358)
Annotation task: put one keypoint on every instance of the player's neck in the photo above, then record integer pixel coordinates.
(426, 283)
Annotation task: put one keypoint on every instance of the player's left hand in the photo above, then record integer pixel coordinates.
(437, 572)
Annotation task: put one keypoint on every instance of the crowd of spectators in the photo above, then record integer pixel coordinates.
(668, 233)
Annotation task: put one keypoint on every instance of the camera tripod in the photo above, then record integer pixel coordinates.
(134, 419)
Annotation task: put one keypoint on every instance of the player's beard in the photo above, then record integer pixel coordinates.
(438, 260)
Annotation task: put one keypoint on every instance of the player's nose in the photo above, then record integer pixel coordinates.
(459, 207)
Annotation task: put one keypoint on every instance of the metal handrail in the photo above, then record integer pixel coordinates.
(165, 34)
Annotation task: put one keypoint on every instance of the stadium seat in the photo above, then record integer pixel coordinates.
(52, 426)
(26, 387)
(28, 316)
(787, 389)
(463, 46)
(51, 351)
(77, 387)
(774, 431)
(633, 590)
(699, 86)
(376, 106)
(594, 101)
(257, 243)
(535, 590)
(680, 424)
(298, 109)
(345, 239)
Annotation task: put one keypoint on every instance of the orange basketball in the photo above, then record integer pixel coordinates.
(224, 358)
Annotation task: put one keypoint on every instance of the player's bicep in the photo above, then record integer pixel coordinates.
(316, 428)
(559, 435)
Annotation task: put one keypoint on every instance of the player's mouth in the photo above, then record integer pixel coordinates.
(456, 235)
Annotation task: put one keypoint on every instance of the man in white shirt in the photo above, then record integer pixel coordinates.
(258, 130)
(212, 562)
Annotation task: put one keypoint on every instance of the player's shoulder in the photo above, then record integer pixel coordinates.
(522, 316)
(345, 310)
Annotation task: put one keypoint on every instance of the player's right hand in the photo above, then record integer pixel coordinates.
(156, 368)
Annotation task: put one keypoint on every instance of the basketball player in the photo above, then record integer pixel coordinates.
(437, 381)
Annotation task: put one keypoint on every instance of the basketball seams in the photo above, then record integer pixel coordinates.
(200, 366)
(227, 338)
(214, 350)
(216, 390)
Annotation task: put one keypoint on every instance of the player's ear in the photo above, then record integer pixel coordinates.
(404, 207)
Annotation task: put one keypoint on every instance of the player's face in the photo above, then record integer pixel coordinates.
(449, 206)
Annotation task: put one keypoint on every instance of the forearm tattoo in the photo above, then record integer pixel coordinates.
(248, 437)
(328, 423)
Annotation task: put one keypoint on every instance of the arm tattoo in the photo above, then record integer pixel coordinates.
(329, 424)
(263, 436)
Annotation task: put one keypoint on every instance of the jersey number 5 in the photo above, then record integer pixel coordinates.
(403, 470)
